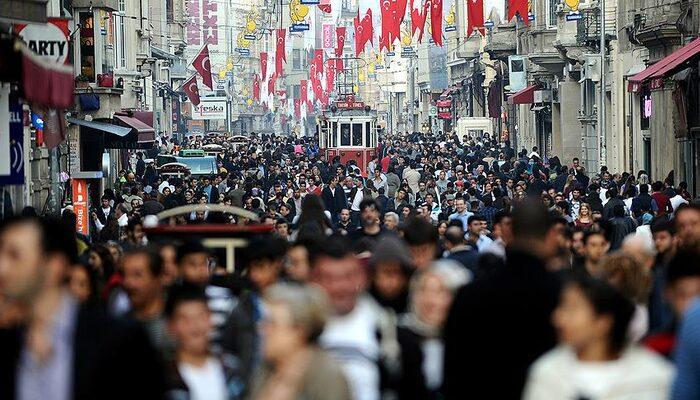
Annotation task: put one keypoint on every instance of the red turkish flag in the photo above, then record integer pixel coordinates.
(475, 16)
(418, 18)
(280, 55)
(368, 27)
(304, 89)
(263, 64)
(256, 87)
(436, 21)
(387, 8)
(318, 61)
(340, 40)
(364, 31)
(518, 7)
(297, 109)
(330, 77)
(191, 90)
(271, 84)
(326, 8)
(202, 64)
(398, 13)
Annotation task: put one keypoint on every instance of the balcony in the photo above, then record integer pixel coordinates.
(23, 10)
(542, 52)
(108, 4)
(502, 43)
(110, 100)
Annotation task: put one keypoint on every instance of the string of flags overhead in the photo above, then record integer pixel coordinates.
(378, 23)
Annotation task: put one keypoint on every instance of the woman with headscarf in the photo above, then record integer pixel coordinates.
(420, 330)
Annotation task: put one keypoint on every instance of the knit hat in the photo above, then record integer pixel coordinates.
(390, 248)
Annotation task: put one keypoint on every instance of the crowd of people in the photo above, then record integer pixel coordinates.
(445, 268)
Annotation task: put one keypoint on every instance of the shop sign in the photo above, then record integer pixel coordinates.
(80, 206)
(49, 41)
(210, 108)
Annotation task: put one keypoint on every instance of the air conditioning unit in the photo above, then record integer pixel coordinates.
(592, 68)
(517, 73)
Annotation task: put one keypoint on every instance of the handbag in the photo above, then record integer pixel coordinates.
(105, 80)
(89, 101)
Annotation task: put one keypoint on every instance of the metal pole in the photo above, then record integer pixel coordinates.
(601, 108)
(411, 95)
(54, 204)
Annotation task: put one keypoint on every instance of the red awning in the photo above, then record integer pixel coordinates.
(144, 116)
(525, 96)
(145, 133)
(665, 65)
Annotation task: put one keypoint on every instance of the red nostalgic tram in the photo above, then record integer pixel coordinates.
(348, 130)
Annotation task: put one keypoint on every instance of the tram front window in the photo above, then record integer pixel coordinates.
(345, 134)
(357, 135)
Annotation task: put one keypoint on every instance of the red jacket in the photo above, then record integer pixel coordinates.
(663, 203)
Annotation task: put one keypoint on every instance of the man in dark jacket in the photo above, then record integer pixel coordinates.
(613, 201)
(643, 202)
(77, 352)
(334, 198)
(593, 198)
(620, 226)
(458, 249)
(499, 325)
(140, 165)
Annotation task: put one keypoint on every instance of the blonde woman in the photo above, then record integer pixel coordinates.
(585, 217)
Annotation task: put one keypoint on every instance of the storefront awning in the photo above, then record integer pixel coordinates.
(101, 126)
(143, 134)
(144, 116)
(525, 96)
(661, 68)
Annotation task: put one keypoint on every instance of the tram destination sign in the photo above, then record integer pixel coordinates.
(349, 104)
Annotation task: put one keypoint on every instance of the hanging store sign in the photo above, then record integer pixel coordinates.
(444, 109)
(328, 39)
(210, 108)
(49, 41)
(14, 126)
(80, 205)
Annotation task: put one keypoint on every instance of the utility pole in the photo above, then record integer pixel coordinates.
(601, 108)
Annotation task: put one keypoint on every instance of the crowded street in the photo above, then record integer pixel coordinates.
(309, 217)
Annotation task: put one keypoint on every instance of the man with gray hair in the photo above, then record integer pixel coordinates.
(641, 248)
(391, 221)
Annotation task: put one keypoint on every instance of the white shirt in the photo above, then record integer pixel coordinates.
(676, 202)
(352, 340)
(359, 195)
(123, 220)
(638, 375)
(205, 383)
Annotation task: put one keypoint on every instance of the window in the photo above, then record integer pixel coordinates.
(517, 65)
(87, 45)
(168, 10)
(345, 134)
(551, 10)
(296, 92)
(296, 59)
(357, 135)
(119, 36)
